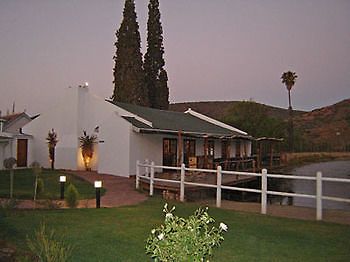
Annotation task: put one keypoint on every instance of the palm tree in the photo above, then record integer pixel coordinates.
(87, 143)
(289, 79)
(52, 142)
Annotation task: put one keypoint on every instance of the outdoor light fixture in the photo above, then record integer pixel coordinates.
(98, 185)
(62, 182)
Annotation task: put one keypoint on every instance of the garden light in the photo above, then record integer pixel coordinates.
(62, 182)
(98, 185)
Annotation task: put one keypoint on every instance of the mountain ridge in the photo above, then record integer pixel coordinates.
(323, 129)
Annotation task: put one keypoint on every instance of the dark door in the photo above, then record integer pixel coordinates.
(22, 150)
(189, 150)
(169, 151)
(238, 148)
(225, 149)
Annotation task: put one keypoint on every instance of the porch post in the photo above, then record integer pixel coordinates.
(179, 149)
(205, 152)
(147, 168)
(151, 180)
(263, 191)
(218, 186)
(271, 155)
(318, 196)
(137, 174)
(182, 183)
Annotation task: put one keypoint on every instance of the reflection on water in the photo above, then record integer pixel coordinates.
(336, 169)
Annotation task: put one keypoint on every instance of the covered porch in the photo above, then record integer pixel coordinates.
(207, 151)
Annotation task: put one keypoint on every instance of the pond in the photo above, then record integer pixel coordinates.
(334, 169)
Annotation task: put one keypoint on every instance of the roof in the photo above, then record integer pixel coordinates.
(163, 121)
(9, 119)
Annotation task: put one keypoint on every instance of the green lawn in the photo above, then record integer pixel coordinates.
(119, 234)
(24, 184)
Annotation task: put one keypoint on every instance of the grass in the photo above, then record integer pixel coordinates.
(24, 180)
(119, 234)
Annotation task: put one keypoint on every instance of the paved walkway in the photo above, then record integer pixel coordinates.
(120, 191)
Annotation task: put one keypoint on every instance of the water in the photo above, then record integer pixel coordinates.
(334, 169)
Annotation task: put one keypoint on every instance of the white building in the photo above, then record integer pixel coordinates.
(127, 133)
(13, 142)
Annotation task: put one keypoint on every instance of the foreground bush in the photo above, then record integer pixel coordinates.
(179, 239)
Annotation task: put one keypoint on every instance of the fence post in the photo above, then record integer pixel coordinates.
(182, 183)
(263, 191)
(151, 180)
(319, 196)
(137, 174)
(218, 186)
(147, 168)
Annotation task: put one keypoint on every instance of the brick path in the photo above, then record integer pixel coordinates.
(120, 191)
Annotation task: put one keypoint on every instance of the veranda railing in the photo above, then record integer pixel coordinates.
(149, 171)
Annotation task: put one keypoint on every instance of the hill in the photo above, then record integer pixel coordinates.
(323, 129)
(327, 127)
(220, 109)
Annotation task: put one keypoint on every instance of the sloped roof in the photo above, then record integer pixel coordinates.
(9, 119)
(170, 121)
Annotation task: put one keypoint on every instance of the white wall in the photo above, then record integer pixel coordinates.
(114, 149)
(62, 117)
(78, 110)
(145, 146)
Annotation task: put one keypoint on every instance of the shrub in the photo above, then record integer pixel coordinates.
(72, 196)
(179, 239)
(48, 247)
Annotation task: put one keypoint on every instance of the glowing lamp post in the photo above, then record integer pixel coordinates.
(98, 185)
(62, 182)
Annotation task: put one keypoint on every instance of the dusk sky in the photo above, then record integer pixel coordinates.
(214, 50)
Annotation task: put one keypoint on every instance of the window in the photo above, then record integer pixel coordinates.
(210, 149)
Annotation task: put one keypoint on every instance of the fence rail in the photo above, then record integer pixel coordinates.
(149, 172)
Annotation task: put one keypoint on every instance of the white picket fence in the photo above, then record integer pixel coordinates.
(149, 172)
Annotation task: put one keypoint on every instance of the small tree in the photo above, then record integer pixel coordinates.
(72, 196)
(9, 164)
(52, 142)
(87, 143)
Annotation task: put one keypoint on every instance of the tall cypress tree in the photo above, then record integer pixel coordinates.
(155, 75)
(128, 73)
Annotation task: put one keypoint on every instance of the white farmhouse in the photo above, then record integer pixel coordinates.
(13, 142)
(127, 133)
